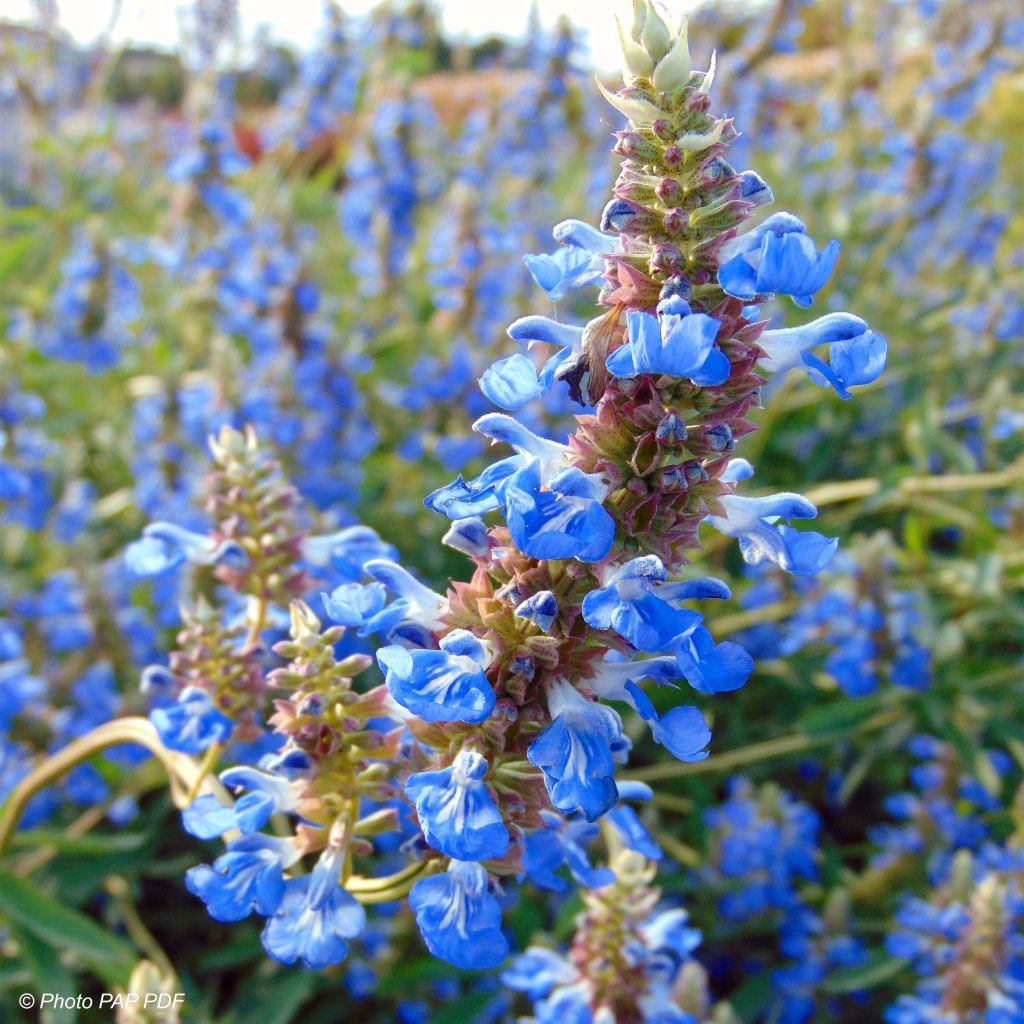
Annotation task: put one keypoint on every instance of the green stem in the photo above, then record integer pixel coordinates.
(181, 770)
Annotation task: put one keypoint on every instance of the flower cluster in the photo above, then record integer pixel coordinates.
(577, 599)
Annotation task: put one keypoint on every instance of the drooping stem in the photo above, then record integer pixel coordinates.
(182, 771)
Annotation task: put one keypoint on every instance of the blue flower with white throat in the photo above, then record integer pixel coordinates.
(776, 257)
(634, 601)
(752, 522)
(563, 842)
(456, 810)
(676, 342)
(247, 877)
(565, 519)
(447, 685)
(316, 917)
(192, 724)
(459, 919)
(856, 355)
(581, 261)
(163, 546)
(464, 498)
(577, 752)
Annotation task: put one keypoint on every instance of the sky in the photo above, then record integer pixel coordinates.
(296, 21)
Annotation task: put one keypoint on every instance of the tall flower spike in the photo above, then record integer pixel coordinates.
(497, 688)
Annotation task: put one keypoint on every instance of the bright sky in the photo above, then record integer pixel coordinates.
(296, 21)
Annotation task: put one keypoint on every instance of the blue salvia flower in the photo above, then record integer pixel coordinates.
(751, 521)
(776, 257)
(459, 919)
(457, 812)
(856, 354)
(447, 685)
(315, 919)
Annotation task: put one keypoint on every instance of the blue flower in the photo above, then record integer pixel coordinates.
(512, 382)
(566, 520)
(448, 685)
(541, 609)
(192, 723)
(18, 688)
(469, 536)
(776, 257)
(537, 972)
(459, 919)
(315, 918)
(570, 1005)
(676, 342)
(579, 264)
(268, 795)
(562, 842)
(750, 521)
(457, 813)
(670, 933)
(165, 545)
(856, 355)
(207, 818)
(682, 731)
(347, 551)
(853, 665)
(709, 667)
(363, 606)
(462, 499)
(627, 823)
(576, 752)
(415, 614)
(247, 877)
(626, 604)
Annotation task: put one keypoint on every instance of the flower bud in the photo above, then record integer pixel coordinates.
(634, 146)
(669, 191)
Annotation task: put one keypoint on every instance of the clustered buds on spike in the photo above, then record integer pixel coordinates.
(213, 657)
(628, 962)
(965, 942)
(255, 509)
(332, 748)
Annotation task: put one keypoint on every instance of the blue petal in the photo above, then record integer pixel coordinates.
(512, 382)
(711, 668)
(459, 919)
(632, 832)
(806, 552)
(575, 754)
(682, 731)
(858, 360)
(737, 278)
(313, 922)
(456, 811)
(207, 818)
(540, 608)
(437, 686)
(240, 881)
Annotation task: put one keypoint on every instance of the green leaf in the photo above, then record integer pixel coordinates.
(468, 1007)
(24, 904)
(406, 976)
(879, 968)
(840, 716)
(49, 975)
(751, 998)
(277, 1002)
(81, 845)
(12, 253)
